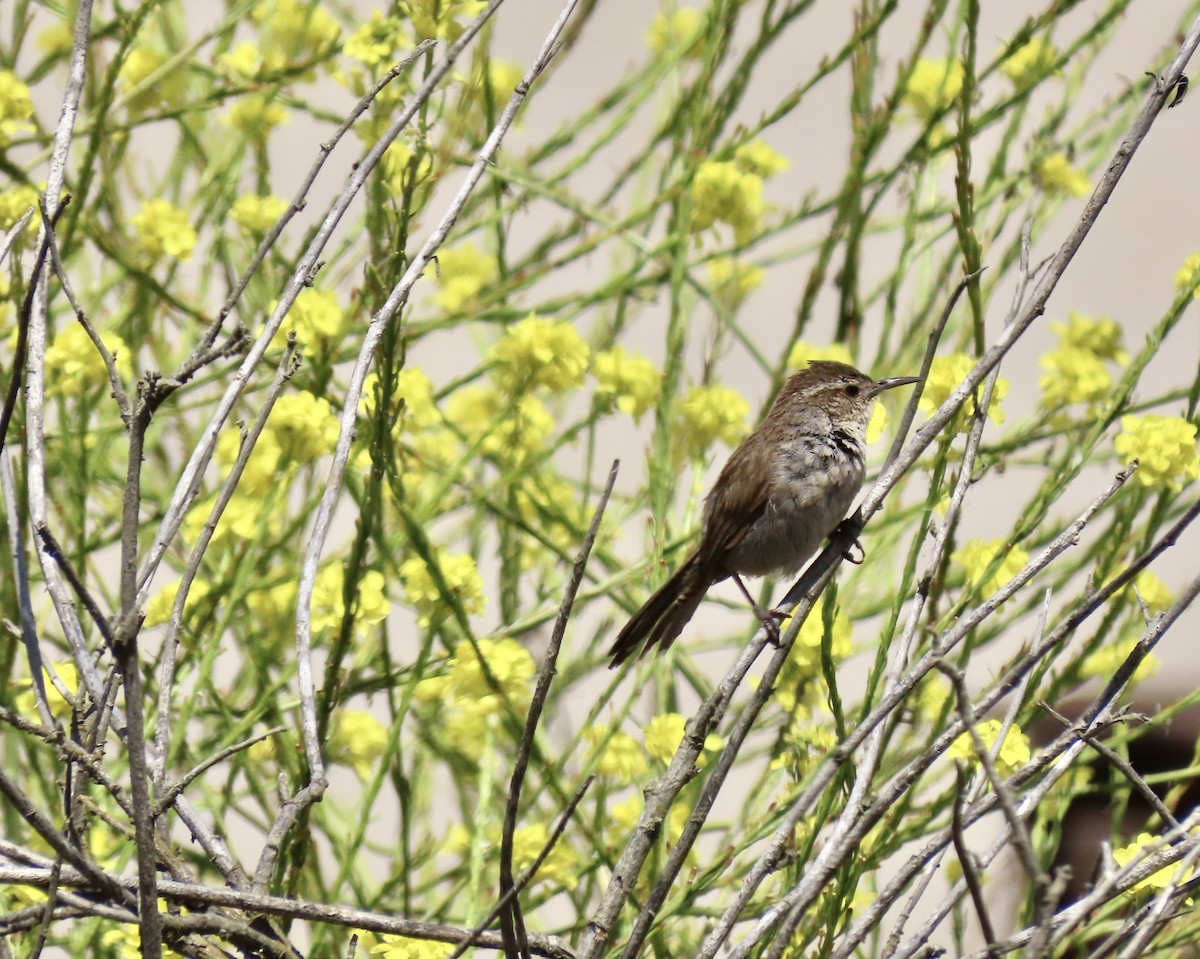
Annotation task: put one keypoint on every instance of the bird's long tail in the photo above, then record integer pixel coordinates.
(664, 614)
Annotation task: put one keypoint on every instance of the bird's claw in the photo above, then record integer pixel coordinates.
(851, 558)
(771, 620)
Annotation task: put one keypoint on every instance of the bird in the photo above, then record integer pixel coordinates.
(779, 495)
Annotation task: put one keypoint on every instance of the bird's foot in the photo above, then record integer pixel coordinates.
(771, 620)
(860, 558)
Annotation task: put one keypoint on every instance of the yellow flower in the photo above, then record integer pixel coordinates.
(158, 609)
(262, 470)
(505, 431)
(254, 215)
(144, 81)
(1056, 175)
(621, 757)
(56, 39)
(1153, 591)
(805, 661)
(508, 662)
(977, 555)
(878, 423)
(304, 426)
(328, 608)
(933, 86)
(629, 379)
(664, 733)
(1164, 446)
(16, 107)
(1108, 658)
(1188, 278)
(758, 158)
(1030, 62)
(1100, 336)
(710, 413)
(256, 115)
(357, 739)
(414, 388)
(401, 947)
(560, 867)
(244, 62)
(539, 352)
(683, 25)
(802, 746)
(439, 19)
(294, 31)
(462, 273)
(25, 700)
(945, 374)
(802, 353)
(1073, 376)
(731, 280)
(316, 318)
(722, 193)
(161, 228)
(378, 41)
(461, 578)
(1014, 753)
(73, 365)
(1144, 845)
(13, 205)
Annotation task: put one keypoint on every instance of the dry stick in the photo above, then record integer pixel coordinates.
(661, 793)
(1121, 764)
(55, 551)
(16, 543)
(1070, 744)
(189, 481)
(290, 811)
(166, 674)
(197, 895)
(967, 862)
(167, 796)
(512, 925)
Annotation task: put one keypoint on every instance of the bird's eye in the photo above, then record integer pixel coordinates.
(852, 390)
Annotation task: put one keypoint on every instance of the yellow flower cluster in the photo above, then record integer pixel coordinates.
(629, 380)
(293, 32)
(620, 755)
(664, 733)
(1143, 845)
(933, 86)
(1030, 62)
(1108, 658)
(16, 107)
(804, 664)
(731, 280)
(1077, 371)
(73, 365)
(723, 193)
(378, 42)
(461, 578)
(977, 555)
(682, 26)
(1164, 446)
(802, 746)
(540, 353)
(13, 205)
(1056, 175)
(1152, 591)
(508, 435)
(371, 604)
(162, 229)
(304, 426)
(462, 273)
(358, 740)
(803, 353)
(463, 701)
(317, 320)
(25, 699)
(145, 82)
(158, 609)
(945, 374)
(256, 115)
(1187, 280)
(402, 947)
(707, 414)
(254, 215)
(1014, 752)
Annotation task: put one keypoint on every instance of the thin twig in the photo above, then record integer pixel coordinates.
(967, 862)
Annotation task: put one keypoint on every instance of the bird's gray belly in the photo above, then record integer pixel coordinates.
(809, 496)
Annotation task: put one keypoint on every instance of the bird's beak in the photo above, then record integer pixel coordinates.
(893, 382)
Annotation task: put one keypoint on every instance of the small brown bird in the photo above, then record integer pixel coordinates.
(781, 493)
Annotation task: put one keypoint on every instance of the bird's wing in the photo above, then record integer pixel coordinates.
(734, 505)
